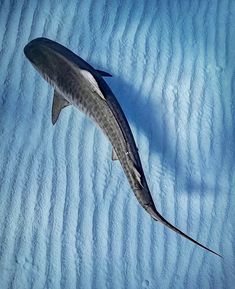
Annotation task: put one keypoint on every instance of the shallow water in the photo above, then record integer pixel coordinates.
(68, 218)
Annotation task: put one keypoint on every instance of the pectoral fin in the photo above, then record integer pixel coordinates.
(114, 155)
(58, 104)
(103, 73)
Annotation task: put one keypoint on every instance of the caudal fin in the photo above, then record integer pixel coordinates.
(156, 216)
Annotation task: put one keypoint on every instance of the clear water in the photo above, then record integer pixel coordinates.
(68, 218)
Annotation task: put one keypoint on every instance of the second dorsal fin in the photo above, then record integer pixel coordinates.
(114, 155)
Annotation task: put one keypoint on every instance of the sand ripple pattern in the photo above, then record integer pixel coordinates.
(68, 218)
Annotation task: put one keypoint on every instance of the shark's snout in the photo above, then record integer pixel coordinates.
(37, 43)
(37, 53)
(31, 49)
(28, 50)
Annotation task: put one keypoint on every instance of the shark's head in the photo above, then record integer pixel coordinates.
(62, 68)
(44, 57)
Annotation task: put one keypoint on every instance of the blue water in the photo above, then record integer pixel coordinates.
(68, 218)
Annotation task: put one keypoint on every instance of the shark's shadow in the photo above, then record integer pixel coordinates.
(147, 117)
(144, 115)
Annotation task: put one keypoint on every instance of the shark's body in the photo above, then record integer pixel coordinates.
(77, 83)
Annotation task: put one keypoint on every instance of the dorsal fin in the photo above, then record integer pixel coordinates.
(58, 104)
(103, 73)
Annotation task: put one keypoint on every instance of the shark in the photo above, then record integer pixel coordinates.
(77, 83)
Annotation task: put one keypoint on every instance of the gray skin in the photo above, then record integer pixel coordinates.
(78, 83)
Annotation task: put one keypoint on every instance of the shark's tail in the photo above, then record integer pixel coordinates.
(156, 216)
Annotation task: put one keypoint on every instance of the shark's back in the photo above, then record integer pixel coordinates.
(109, 96)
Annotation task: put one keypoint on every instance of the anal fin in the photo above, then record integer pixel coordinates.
(59, 102)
